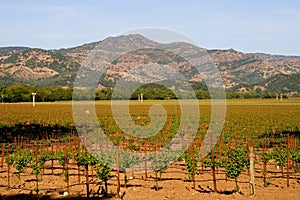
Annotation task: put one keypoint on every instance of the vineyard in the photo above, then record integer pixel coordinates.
(257, 154)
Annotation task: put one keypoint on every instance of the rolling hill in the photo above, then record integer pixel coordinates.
(240, 71)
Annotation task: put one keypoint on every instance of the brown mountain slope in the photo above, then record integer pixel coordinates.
(59, 67)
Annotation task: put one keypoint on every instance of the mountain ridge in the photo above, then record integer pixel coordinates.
(240, 71)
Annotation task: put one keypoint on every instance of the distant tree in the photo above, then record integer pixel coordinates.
(20, 93)
(61, 94)
(2, 93)
(202, 94)
(120, 94)
(55, 93)
(82, 94)
(66, 93)
(296, 95)
(251, 95)
(267, 95)
(199, 86)
(154, 91)
(233, 95)
(104, 94)
(45, 95)
(2, 89)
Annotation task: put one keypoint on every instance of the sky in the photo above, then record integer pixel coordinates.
(265, 26)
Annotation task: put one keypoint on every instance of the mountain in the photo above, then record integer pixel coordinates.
(37, 67)
(258, 71)
(240, 71)
(11, 50)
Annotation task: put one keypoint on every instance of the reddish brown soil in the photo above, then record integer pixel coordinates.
(174, 185)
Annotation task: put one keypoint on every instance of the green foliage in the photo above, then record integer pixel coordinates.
(13, 58)
(297, 95)
(47, 94)
(191, 159)
(104, 94)
(283, 83)
(61, 156)
(22, 159)
(45, 156)
(85, 159)
(22, 93)
(104, 158)
(266, 156)
(236, 163)
(19, 93)
(2, 89)
(102, 171)
(281, 158)
(36, 168)
(268, 183)
(153, 91)
(10, 159)
(12, 50)
(103, 166)
(295, 155)
(202, 94)
(162, 161)
(127, 159)
(208, 163)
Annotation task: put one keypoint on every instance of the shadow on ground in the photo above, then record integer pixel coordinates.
(48, 197)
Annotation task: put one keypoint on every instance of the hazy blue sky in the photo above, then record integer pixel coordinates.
(249, 26)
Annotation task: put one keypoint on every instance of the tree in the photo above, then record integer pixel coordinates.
(202, 94)
(104, 94)
(20, 93)
(45, 95)
(251, 95)
(2, 92)
(62, 94)
(2, 89)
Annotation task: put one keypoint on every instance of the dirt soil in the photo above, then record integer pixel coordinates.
(173, 185)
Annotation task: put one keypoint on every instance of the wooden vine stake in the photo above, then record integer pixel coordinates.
(87, 180)
(155, 168)
(8, 171)
(66, 171)
(145, 151)
(202, 156)
(52, 151)
(288, 162)
(36, 161)
(213, 167)
(118, 173)
(78, 170)
(281, 167)
(74, 149)
(123, 146)
(193, 163)
(78, 167)
(265, 167)
(2, 154)
(251, 159)
(84, 135)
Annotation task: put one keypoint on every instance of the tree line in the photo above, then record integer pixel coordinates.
(23, 93)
